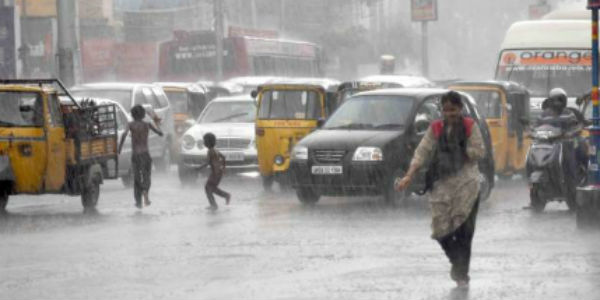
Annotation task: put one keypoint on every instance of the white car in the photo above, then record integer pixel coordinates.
(131, 94)
(231, 120)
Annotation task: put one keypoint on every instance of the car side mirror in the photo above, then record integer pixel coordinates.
(253, 94)
(421, 127)
(524, 121)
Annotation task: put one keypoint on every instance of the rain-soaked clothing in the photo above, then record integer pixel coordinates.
(141, 165)
(452, 198)
(457, 246)
(216, 160)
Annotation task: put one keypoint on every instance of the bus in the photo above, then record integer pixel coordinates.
(545, 54)
(190, 56)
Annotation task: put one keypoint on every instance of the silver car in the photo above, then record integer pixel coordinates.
(131, 94)
(231, 120)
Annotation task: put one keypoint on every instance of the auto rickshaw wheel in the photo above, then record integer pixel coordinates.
(537, 203)
(91, 192)
(3, 200)
(390, 195)
(307, 195)
(267, 182)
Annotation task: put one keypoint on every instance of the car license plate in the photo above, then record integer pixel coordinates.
(326, 170)
(234, 156)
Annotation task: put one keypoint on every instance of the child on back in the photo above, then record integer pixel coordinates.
(216, 161)
(141, 163)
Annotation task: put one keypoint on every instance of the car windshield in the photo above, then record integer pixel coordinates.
(371, 112)
(290, 104)
(229, 112)
(21, 109)
(178, 100)
(121, 96)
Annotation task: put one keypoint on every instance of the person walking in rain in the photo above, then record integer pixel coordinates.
(453, 146)
(141, 163)
(216, 161)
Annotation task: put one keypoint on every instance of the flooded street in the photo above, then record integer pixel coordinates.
(268, 245)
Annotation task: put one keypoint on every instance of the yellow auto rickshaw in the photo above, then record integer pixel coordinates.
(51, 147)
(505, 106)
(287, 111)
(187, 100)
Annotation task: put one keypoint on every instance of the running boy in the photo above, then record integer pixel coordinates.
(216, 160)
(141, 163)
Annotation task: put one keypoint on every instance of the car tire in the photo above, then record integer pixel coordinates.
(187, 176)
(91, 192)
(307, 195)
(3, 199)
(267, 182)
(164, 162)
(537, 203)
(390, 195)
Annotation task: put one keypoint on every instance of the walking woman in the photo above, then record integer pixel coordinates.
(453, 146)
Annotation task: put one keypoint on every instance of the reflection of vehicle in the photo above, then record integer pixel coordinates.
(369, 141)
(187, 101)
(231, 120)
(155, 142)
(191, 55)
(287, 111)
(131, 94)
(545, 54)
(505, 105)
(549, 157)
(347, 89)
(49, 147)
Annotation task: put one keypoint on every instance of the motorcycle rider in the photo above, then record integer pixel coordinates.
(556, 113)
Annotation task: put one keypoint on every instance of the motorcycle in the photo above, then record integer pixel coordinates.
(552, 170)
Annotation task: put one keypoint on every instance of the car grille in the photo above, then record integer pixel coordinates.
(329, 156)
(232, 143)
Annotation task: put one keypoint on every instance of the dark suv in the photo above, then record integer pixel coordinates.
(370, 140)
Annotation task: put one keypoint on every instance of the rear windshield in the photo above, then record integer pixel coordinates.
(299, 105)
(21, 109)
(121, 96)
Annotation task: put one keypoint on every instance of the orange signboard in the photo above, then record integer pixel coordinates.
(546, 57)
(37, 8)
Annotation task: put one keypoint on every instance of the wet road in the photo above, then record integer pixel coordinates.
(268, 246)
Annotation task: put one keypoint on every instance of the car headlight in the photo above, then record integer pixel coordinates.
(368, 154)
(279, 160)
(300, 153)
(187, 142)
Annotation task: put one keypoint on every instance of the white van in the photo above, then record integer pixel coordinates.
(545, 54)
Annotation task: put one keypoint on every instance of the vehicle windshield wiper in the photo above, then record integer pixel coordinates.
(352, 126)
(389, 125)
(229, 117)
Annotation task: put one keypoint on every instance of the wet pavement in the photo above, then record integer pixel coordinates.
(266, 245)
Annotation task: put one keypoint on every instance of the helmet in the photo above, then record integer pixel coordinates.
(560, 95)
